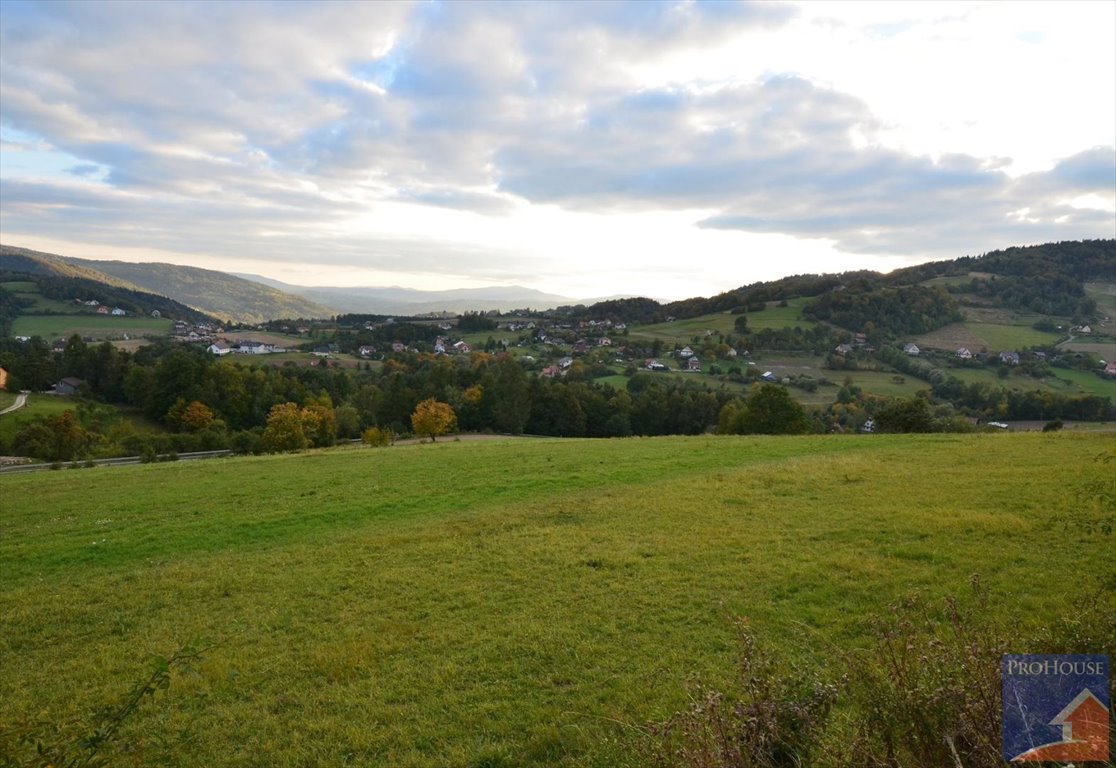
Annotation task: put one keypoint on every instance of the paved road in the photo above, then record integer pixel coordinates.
(21, 400)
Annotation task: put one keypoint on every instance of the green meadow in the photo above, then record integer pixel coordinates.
(98, 326)
(37, 405)
(512, 602)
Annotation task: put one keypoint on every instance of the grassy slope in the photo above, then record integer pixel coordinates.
(448, 604)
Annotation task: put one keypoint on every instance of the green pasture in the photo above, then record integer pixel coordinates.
(1089, 382)
(6, 399)
(1061, 381)
(37, 405)
(510, 602)
(995, 337)
(98, 326)
(683, 331)
(1011, 337)
(776, 317)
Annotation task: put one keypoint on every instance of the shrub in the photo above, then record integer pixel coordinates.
(377, 437)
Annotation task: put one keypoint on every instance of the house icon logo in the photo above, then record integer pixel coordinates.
(1055, 708)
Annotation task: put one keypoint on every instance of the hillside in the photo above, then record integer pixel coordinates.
(528, 603)
(211, 293)
(40, 290)
(215, 293)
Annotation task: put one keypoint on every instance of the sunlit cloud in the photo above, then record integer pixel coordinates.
(670, 149)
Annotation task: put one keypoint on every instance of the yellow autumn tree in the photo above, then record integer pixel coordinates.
(432, 417)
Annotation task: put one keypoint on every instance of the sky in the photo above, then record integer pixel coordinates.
(587, 149)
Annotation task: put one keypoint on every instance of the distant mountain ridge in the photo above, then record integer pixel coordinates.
(394, 300)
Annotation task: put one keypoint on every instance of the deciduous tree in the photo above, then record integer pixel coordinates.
(433, 418)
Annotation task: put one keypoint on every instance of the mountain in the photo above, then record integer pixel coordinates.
(213, 293)
(408, 301)
(61, 281)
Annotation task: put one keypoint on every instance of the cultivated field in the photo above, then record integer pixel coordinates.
(507, 602)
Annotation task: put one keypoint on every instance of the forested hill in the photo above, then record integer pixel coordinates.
(209, 292)
(1048, 279)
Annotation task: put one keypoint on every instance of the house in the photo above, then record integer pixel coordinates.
(842, 349)
(1009, 358)
(911, 349)
(68, 386)
(655, 365)
(768, 376)
(1110, 370)
(156, 314)
(102, 310)
(118, 312)
(868, 426)
(550, 371)
(565, 363)
(731, 352)
(3, 378)
(398, 346)
(462, 347)
(604, 341)
(693, 364)
(246, 347)
(685, 353)
(218, 348)
(860, 338)
(964, 354)
(321, 352)
(366, 351)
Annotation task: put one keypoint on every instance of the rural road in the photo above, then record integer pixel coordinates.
(21, 399)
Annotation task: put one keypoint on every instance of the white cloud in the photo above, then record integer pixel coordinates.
(668, 148)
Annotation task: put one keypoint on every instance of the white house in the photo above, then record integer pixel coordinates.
(964, 354)
(911, 349)
(118, 312)
(218, 348)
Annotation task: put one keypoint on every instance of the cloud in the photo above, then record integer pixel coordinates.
(403, 135)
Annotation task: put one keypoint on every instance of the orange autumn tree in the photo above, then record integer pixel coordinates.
(432, 417)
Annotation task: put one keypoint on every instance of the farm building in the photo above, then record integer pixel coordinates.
(67, 386)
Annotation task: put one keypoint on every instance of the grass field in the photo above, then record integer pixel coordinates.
(508, 602)
(1061, 381)
(992, 329)
(37, 405)
(97, 326)
(683, 331)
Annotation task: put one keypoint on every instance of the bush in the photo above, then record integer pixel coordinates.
(376, 437)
